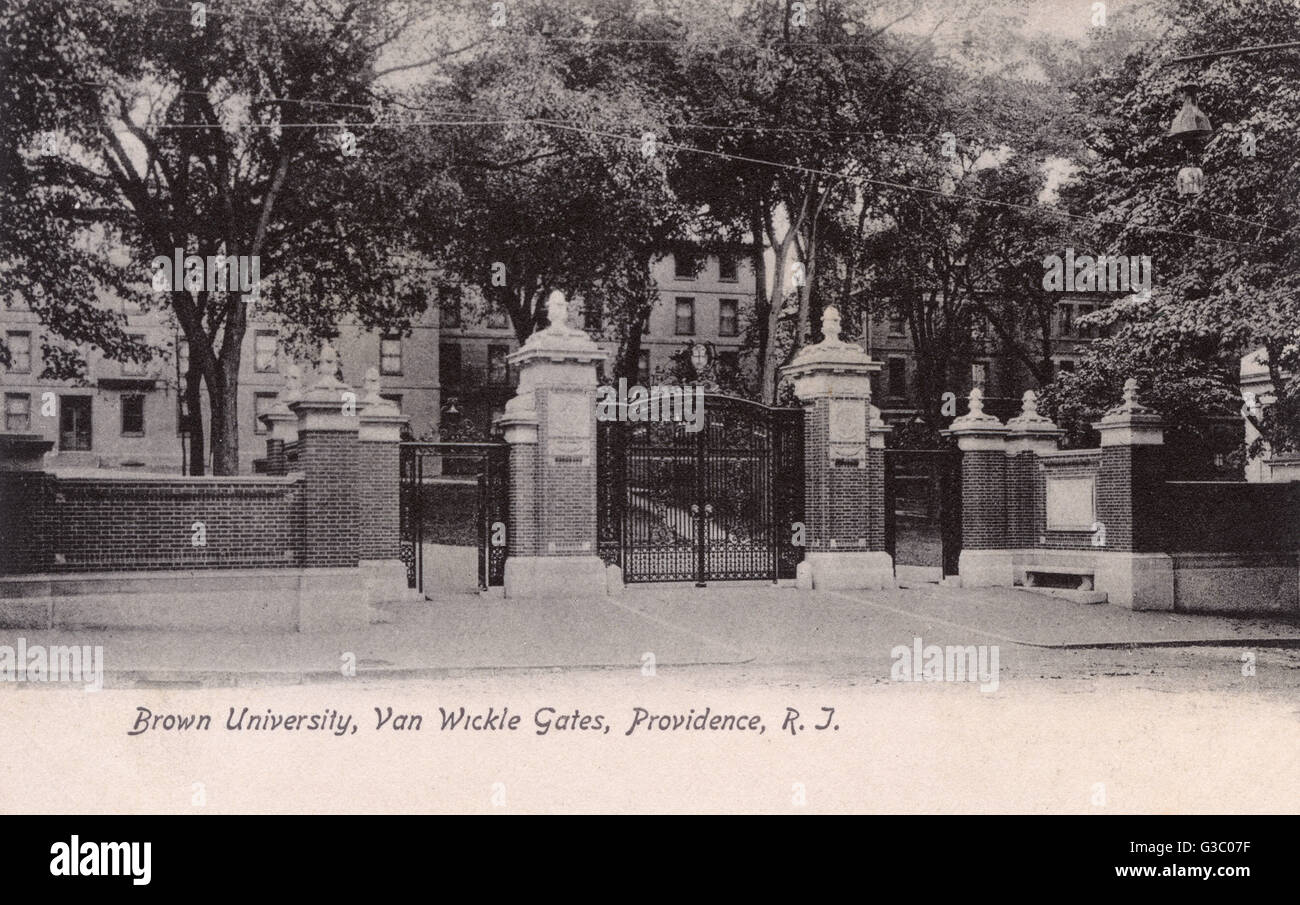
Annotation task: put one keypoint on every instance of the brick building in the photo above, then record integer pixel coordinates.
(127, 415)
(702, 299)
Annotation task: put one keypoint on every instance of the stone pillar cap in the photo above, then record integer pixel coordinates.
(832, 354)
(376, 406)
(1029, 421)
(976, 420)
(1130, 423)
(559, 340)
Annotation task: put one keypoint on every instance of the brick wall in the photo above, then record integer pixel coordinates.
(839, 496)
(983, 500)
(1226, 517)
(75, 524)
(1081, 463)
(378, 469)
(522, 526)
(329, 460)
(566, 502)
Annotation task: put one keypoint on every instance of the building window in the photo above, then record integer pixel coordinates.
(685, 265)
(685, 317)
(182, 358)
(18, 412)
(897, 325)
(592, 314)
(979, 374)
(390, 355)
(394, 398)
(1067, 320)
(74, 423)
(449, 364)
(643, 367)
(898, 377)
(133, 414)
(728, 317)
(1066, 365)
(449, 306)
(496, 319)
(1089, 332)
(264, 351)
(728, 363)
(134, 368)
(727, 269)
(20, 352)
(498, 368)
(262, 403)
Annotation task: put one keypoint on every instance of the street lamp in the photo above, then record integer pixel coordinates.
(1190, 128)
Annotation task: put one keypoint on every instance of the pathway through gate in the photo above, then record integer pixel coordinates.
(453, 512)
(717, 504)
(923, 508)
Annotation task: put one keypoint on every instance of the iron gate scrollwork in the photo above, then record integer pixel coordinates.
(475, 480)
(717, 504)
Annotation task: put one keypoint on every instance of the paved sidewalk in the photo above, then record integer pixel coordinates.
(679, 625)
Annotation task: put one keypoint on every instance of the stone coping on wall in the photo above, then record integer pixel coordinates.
(162, 477)
(1058, 455)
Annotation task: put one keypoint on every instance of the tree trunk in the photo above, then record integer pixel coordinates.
(760, 287)
(223, 398)
(193, 394)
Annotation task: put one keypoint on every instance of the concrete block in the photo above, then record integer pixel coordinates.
(861, 570)
(536, 577)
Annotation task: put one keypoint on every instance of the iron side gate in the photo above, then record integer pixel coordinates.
(923, 491)
(716, 504)
(473, 480)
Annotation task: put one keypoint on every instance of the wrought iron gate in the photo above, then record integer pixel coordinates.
(923, 492)
(717, 504)
(473, 475)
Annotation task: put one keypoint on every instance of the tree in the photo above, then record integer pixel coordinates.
(129, 132)
(545, 187)
(1228, 261)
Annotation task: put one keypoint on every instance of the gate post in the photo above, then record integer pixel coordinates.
(282, 424)
(986, 560)
(378, 486)
(327, 455)
(550, 426)
(1029, 435)
(844, 465)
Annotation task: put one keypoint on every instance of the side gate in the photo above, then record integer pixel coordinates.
(454, 498)
(923, 508)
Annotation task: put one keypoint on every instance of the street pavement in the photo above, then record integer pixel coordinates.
(721, 625)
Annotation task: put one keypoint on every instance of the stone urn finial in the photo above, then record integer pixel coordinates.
(557, 309)
(976, 403)
(292, 383)
(1029, 404)
(371, 385)
(1130, 404)
(831, 325)
(327, 369)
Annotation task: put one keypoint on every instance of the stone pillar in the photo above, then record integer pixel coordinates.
(1131, 568)
(1029, 435)
(986, 559)
(843, 465)
(282, 423)
(332, 595)
(379, 492)
(550, 425)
